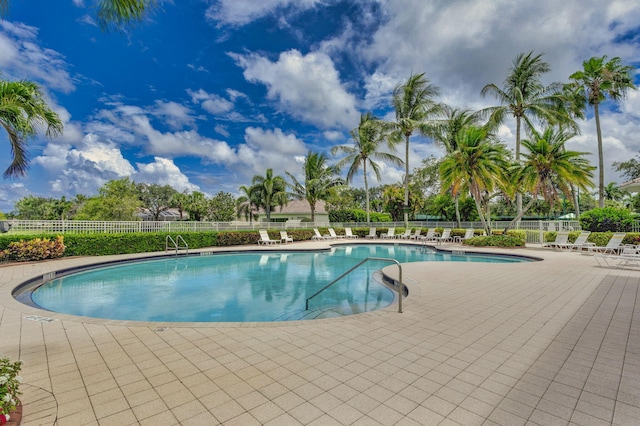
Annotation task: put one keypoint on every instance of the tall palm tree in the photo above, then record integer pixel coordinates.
(269, 191)
(23, 113)
(548, 168)
(414, 106)
(319, 178)
(526, 98)
(598, 80)
(367, 138)
(478, 165)
(246, 203)
(112, 14)
(446, 131)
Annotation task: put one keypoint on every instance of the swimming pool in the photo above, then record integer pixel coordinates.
(236, 287)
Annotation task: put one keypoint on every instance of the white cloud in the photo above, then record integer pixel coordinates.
(265, 149)
(307, 87)
(164, 172)
(174, 114)
(241, 12)
(21, 55)
(10, 193)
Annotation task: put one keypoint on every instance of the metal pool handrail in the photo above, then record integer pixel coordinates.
(384, 259)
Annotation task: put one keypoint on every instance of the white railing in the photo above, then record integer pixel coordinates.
(534, 228)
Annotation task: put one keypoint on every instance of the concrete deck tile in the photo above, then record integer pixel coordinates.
(541, 343)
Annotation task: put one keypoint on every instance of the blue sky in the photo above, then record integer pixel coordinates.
(206, 94)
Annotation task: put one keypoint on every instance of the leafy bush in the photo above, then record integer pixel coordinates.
(606, 219)
(35, 249)
(9, 383)
(495, 241)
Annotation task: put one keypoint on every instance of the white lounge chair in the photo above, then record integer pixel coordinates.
(562, 238)
(469, 233)
(430, 236)
(265, 239)
(319, 236)
(349, 234)
(416, 234)
(578, 244)
(372, 233)
(614, 246)
(406, 234)
(446, 236)
(391, 233)
(284, 238)
(333, 234)
(630, 255)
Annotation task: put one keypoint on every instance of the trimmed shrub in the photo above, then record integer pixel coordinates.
(496, 241)
(35, 249)
(606, 219)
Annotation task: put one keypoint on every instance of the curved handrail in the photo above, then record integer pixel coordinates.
(384, 259)
(175, 244)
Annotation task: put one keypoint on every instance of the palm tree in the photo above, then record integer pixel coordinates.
(478, 165)
(598, 80)
(548, 168)
(367, 138)
(112, 14)
(246, 203)
(445, 133)
(525, 97)
(23, 113)
(414, 106)
(319, 178)
(613, 192)
(269, 191)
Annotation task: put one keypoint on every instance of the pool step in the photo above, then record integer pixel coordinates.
(317, 313)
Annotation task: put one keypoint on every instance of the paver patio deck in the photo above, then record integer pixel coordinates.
(540, 343)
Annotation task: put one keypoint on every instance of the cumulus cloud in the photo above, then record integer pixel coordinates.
(21, 55)
(175, 115)
(241, 12)
(265, 149)
(307, 87)
(164, 172)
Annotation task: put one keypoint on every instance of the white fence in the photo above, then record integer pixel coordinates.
(535, 229)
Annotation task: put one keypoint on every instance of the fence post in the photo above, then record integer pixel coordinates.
(541, 232)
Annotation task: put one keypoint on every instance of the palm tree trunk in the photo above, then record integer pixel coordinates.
(457, 204)
(406, 183)
(518, 194)
(596, 113)
(366, 189)
(519, 215)
(576, 201)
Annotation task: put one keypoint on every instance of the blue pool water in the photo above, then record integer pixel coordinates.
(236, 287)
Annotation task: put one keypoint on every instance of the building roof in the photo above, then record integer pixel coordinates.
(299, 207)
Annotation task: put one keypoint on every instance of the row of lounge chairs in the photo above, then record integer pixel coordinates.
(613, 254)
(430, 236)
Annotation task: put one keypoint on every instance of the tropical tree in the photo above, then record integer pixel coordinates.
(246, 204)
(23, 113)
(155, 198)
(445, 133)
(112, 14)
(367, 138)
(549, 169)
(269, 191)
(117, 199)
(613, 192)
(598, 80)
(478, 165)
(319, 179)
(526, 98)
(197, 206)
(222, 207)
(178, 201)
(414, 106)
